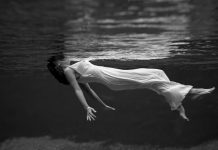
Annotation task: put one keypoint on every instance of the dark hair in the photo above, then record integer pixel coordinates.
(57, 70)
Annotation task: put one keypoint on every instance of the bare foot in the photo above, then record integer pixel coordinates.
(200, 93)
(184, 117)
(181, 110)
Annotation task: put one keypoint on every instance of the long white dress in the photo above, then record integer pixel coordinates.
(118, 79)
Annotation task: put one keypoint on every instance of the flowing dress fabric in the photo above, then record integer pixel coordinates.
(118, 79)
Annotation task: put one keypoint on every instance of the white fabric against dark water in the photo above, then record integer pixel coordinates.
(118, 79)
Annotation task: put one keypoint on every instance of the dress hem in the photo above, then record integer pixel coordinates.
(176, 105)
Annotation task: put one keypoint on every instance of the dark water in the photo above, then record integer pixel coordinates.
(179, 36)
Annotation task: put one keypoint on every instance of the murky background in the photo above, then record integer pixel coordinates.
(179, 36)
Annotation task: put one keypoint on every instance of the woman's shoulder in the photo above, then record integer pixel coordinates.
(79, 64)
(83, 60)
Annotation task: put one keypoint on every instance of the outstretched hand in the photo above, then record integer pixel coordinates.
(109, 108)
(90, 114)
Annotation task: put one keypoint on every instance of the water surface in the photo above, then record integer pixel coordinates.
(125, 30)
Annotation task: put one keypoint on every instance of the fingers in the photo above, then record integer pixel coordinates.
(93, 110)
(93, 118)
(90, 115)
(90, 118)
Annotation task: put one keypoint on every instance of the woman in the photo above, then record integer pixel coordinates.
(79, 74)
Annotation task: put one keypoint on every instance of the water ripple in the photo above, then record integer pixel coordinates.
(109, 29)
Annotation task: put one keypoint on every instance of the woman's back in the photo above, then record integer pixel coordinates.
(117, 79)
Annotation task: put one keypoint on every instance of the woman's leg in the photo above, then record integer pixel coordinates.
(195, 93)
(198, 93)
(182, 112)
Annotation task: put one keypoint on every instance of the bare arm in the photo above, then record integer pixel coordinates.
(70, 75)
(89, 90)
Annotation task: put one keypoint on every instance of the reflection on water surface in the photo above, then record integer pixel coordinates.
(95, 29)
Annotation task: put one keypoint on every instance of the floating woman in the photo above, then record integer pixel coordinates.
(80, 74)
